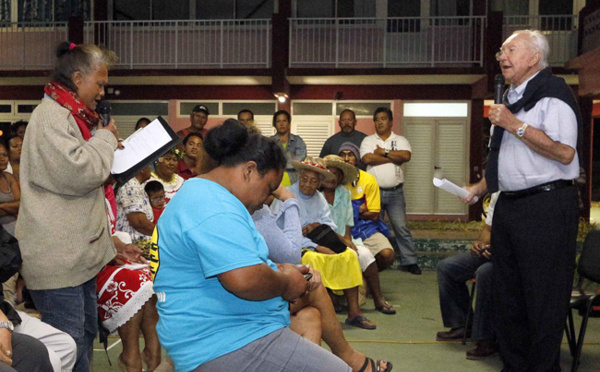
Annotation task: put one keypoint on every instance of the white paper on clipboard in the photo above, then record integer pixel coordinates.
(140, 145)
(452, 188)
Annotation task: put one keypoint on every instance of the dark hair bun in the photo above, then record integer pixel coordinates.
(62, 49)
(226, 139)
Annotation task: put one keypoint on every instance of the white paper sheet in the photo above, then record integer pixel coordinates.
(452, 188)
(138, 146)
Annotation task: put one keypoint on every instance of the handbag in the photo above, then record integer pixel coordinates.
(325, 236)
(10, 255)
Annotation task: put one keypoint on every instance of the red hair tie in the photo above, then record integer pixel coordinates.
(72, 46)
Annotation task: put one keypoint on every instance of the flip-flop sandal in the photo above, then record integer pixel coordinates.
(358, 321)
(386, 309)
(376, 368)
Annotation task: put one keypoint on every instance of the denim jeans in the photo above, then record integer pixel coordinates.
(453, 273)
(72, 310)
(393, 203)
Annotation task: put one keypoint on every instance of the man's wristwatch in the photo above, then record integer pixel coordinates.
(8, 325)
(521, 131)
(386, 153)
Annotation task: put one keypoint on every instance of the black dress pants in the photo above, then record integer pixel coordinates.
(29, 355)
(534, 242)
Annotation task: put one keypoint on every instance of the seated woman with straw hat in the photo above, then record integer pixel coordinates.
(340, 204)
(323, 249)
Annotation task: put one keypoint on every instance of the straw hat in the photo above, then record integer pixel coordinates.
(315, 165)
(349, 170)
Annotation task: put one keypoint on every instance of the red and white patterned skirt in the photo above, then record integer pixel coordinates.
(122, 291)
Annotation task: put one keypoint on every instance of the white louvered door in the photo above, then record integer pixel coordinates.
(314, 130)
(437, 144)
(418, 187)
(451, 159)
(265, 124)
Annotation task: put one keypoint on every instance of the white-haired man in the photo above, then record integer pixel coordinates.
(533, 162)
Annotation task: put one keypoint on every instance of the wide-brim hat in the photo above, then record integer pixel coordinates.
(315, 165)
(349, 170)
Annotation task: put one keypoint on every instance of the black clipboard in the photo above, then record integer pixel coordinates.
(149, 148)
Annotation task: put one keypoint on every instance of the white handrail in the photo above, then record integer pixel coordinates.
(187, 43)
(386, 42)
(560, 30)
(30, 45)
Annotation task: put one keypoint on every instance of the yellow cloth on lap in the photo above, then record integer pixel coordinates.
(338, 271)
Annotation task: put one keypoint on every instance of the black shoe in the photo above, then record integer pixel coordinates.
(413, 269)
(453, 334)
(482, 349)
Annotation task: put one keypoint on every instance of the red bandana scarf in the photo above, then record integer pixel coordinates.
(86, 119)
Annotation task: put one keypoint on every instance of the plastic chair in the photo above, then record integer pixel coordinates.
(587, 268)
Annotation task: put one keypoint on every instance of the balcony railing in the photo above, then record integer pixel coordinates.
(319, 42)
(561, 31)
(30, 45)
(185, 44)
(387, 42)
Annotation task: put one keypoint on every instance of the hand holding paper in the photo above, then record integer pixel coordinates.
(452, 188)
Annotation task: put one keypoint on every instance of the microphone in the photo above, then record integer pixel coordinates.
(103, 109)
(498, 88)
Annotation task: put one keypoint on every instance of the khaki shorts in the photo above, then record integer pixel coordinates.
(377, 243)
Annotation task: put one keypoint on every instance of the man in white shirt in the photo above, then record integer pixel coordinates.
(533, 162)
(384, 153)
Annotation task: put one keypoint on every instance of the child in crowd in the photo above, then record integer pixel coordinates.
(156, 194)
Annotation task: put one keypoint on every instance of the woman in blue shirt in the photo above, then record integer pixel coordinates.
(223, 304)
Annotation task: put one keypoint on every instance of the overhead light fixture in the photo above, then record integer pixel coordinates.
(281, 97)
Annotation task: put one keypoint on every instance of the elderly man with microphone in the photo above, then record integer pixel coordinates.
(533, 161)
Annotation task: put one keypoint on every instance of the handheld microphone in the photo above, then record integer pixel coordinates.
(103, 109)
(498, 88)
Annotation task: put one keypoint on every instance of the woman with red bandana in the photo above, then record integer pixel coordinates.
(62, 228)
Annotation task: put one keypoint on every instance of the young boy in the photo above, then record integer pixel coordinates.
(156, 194)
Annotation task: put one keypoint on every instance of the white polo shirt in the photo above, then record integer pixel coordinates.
(387, 175)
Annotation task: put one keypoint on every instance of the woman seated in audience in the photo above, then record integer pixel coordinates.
(15, 144)
(282, 233)
(340, 204)
(10, 193)
(223, 304)
(142, 123)
(134, 213)
(18, 128)
(165, 168)
(326, 253)
(126, 300)
(188, 166)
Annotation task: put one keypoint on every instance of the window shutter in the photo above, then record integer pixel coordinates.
(314, 130)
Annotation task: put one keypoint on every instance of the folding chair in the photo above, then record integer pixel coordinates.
(587, 268)
(470, 313)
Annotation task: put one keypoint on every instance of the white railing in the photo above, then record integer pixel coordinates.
(561, 31)
(30, 45)
(387, 42)
(185, 44)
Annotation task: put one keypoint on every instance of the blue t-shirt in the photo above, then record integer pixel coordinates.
(205, 231)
